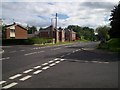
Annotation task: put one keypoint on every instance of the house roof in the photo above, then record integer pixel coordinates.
(16, 25)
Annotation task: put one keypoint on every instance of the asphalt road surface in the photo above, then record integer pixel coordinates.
(77, 65)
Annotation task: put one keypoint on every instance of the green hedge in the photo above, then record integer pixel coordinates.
(26, 41)
(40, 40)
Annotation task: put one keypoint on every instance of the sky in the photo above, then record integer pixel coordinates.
(41, 13)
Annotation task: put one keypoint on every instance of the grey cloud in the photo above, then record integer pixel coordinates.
(98, 5)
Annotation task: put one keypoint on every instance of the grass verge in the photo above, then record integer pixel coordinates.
(111, 45)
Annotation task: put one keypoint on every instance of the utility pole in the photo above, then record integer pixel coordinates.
(56, 31)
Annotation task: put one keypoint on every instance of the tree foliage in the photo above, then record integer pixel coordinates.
(103, 33)
(83, 32)
(32, 29)
(115, 22)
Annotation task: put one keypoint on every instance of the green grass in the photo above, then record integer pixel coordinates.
(111, 45)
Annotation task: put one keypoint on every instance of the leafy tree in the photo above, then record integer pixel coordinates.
(103, 33)
(83, 32)
(115, 22)
(32, 29)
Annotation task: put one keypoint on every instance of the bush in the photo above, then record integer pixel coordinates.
(39, 40)
(26, 41)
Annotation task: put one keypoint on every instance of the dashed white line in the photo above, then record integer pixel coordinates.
(38, 71)
(1, 82)
(37, 67)
(52, 64)
(51, 61)
(44, 68)
(62, 56)
(57, 62)
(25, 78)
(4, 58)
(94, 61)
(15, 76)
(27, 71)
(44, 64)
(56, 59)
(10, 85)
(62, 59)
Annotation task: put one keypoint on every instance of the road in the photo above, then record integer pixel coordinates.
(77, 65)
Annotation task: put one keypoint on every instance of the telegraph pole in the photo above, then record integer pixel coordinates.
(56, 31)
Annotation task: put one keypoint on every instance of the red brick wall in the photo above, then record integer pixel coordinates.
(44, 34)
(20, 33)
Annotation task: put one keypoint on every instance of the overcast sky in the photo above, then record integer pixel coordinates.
(73, 12)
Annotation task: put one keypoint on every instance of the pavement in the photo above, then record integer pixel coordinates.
(77, 65)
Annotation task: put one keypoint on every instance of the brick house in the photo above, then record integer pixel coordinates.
(16, 31)
(60, 35)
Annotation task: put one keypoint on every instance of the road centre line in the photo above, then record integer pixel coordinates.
(10, 85)
(4, 58)
(15, 76)
(27, 71)
(25, 78)
(1, 82)
(38, 71)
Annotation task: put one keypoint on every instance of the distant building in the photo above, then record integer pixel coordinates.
(60, 34)
(16, 31)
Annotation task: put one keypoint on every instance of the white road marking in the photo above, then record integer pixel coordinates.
(62, 56)
(38, 71)
(94, 61)
(1, 82)
(4, 58)
(25, 78)
(99, 62)
(44, 68)
(56, 59)
(57, 62)
(27, 71)
(52, 64)
(15, 76)
(30, 53)
(44, 64)
(55, 48)
(86, 61)
(51, 61)
(10, 85)
(62, 59)
(37, 67)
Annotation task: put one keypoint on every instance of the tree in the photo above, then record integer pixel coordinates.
(115, 22)
(32, 29)
(83, 32)
(103, 33)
